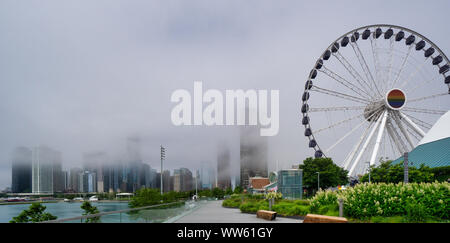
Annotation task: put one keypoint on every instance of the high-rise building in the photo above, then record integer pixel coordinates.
(223, 168)
(253, 154)
(46, 170)
(88, 182)
(74, 179)
(207, 175)
(21, 170)
(182, 180)
(166, 181)
(96, 162)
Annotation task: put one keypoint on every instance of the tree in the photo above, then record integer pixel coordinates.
(228, 191)
(238, 190)
(389, 173)
(331, 175)
(218, 193)
(35, 213)
(88, 210)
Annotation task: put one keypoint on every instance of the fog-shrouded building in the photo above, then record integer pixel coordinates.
(87, 182)
(253, 154)
(46, 170)
(21, 170)
(182, 180)
(223, 168)
(96, 162)
(207, 175)
(74, 179)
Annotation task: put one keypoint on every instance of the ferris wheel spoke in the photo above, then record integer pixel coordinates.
(349, 133)
(342, 81)
(421, 84)
(392, 142)
(363, 63)
(337, 124)
(428, 97)
(418, 121)
(426, 111)
(373, 44)
(412, 124)
(396, 138)
(364, 147)
(402, 66)
(391, 58)
(413, 74)
(355, 74)
(342, 108)
(338, 94)
(402, 129)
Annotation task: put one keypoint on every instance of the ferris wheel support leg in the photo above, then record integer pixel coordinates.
(403, 130)
(364, 147)
(391, 134)
(379, 136)
(412, 124)
(355, 149)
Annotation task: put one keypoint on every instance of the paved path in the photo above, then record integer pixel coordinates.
(213, 212)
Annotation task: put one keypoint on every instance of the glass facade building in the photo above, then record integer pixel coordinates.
(290, 183)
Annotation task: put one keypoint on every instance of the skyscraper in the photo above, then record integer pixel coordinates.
(74, 179)
(46, 170)
(223, 168)
(21, 170)
(95, 162)
(207, 175)
(182, 180)
(253, 154)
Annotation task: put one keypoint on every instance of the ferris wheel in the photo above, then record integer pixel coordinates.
(373, 94)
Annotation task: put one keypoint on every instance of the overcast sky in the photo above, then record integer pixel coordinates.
(82, 76)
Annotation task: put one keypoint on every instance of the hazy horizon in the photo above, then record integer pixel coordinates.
(83, 76)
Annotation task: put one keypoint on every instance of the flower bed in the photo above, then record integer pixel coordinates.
(417, 201)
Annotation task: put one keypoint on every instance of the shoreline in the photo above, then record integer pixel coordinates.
(61, 201)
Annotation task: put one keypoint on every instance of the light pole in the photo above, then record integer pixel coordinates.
(163, 156)
(318, 178)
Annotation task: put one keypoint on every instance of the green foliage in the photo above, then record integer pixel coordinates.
(441, 174)
(389, 173)
(331, 175)
(218, 193)
(238, 190)
(228, 191)
(420, 201)
(416, 212)
(35, 213)
(88, 210)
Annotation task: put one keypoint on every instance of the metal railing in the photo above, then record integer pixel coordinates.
(108, 213)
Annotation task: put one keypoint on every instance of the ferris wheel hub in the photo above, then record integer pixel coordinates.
(395, 99)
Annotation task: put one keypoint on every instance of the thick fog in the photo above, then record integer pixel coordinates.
(83, 76)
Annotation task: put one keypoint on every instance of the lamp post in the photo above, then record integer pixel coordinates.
(318, 179)
(163, 156)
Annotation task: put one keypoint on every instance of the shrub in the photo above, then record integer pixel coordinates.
(367, 200)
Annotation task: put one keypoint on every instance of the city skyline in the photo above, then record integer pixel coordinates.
(81, 79)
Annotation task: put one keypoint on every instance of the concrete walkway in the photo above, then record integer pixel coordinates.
(213, 212)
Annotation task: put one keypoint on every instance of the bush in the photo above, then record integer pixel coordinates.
(367, 200)
(416, 212)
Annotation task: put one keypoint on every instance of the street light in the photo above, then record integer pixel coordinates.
(318, 178)
(163, 156)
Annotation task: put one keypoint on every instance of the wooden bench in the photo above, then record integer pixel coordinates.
(315, 218)
(267, 215)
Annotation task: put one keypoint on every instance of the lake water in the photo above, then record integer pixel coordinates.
(67, 210)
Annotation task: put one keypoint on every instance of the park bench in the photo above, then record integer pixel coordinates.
(315, 218)
(267, 215)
